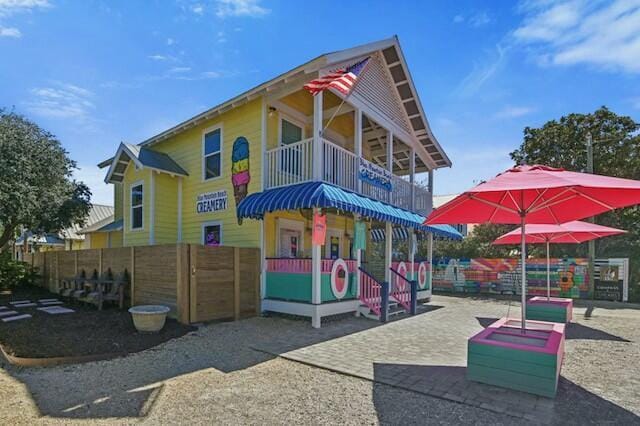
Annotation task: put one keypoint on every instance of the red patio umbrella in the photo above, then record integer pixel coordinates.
(574, 232)
(537, 194)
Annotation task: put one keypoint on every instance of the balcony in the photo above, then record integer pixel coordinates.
(293, 163)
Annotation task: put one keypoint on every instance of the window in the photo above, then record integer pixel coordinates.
(212, 154)
(212, 234)
(136, 206)
(289, 132)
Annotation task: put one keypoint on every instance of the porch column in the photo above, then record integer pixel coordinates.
(357, 120)
(388, 251)
(390, 158)
(430, 188)
(412, 251)
(318, 162)
(316, 279)
(430, 259)
(412, 178)
(356, 218)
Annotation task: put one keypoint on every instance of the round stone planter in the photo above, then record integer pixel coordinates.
(149, 318)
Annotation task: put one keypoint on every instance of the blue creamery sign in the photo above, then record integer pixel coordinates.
(211, 202)
(375, 175)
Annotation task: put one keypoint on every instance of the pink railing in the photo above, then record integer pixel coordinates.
(303, 266)
(370, 292)
(400, 289)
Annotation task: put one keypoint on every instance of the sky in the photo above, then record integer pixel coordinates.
(96, 73)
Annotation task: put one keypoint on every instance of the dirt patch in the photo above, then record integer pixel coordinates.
(86, 331)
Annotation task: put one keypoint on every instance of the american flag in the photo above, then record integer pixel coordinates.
(342, 79)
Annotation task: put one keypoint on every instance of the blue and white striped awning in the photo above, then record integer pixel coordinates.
(318, 194)
(401, 234)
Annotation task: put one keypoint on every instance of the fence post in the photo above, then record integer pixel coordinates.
(236, 283)
(57, 281)
(414, 297)
(384, 301)
(99, 262)
(132, 276)
(182, 282)
(75, 263)
(193, 284)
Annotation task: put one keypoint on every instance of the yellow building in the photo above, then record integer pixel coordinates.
(282, 156)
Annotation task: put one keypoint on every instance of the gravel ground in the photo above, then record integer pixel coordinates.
(213, 376)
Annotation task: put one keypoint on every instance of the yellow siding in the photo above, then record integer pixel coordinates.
(187, 150)
(116, 239)
(166, 209)
(97, 240)
(117, 201)
(141, 236)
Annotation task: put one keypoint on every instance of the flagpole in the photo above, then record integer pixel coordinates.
(346, 97)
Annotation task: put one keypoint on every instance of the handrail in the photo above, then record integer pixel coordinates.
(372, 294)
(402, 295)
(401, 276)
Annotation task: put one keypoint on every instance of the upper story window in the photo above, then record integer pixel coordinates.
(212, 161)
(290, 132)
(137, 194)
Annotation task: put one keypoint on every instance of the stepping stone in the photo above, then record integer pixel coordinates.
(19, 302)
(25, 305)
(16, 318)
(48, 300)
(55, 310)
(7, 313)
(51, 303)
(3, 307)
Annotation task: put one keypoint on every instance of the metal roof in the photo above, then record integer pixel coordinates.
(432, 152)
(143, 157)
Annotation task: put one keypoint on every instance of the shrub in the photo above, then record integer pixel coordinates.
(14, 273)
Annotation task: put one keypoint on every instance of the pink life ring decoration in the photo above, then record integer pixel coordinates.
(339, 278)
(422, 275)
(402, 270)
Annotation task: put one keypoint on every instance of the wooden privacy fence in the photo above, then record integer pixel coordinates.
(198, 283)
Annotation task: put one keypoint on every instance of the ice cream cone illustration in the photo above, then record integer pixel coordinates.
(240, 176)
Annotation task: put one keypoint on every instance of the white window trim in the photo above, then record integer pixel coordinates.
(131, 186)
(211, 223)
(296, 225)
(282, 116)
(334, 232)
(202, 156)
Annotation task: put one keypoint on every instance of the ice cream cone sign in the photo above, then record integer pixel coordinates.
(240, 176)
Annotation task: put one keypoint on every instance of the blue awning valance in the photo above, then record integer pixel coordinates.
(446, 232)
(318, 194)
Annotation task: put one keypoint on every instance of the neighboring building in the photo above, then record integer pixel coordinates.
(438, 200)
(72, 238)
(266, 154)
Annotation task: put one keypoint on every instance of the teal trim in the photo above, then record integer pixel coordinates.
(547, 313)
(298, 287)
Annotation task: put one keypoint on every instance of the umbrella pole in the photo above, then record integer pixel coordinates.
(523, 257)
(548, 274)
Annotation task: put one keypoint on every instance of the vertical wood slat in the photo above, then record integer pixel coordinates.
(75, 264)
(132, 276)
(236, 283)
(193, 284)
(183, 291)
(57, 274)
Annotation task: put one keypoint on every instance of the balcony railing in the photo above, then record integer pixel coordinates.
(293, 163)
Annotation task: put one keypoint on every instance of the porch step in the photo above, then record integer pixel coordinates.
(394, 309)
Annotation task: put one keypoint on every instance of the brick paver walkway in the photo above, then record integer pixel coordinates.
(426, 353)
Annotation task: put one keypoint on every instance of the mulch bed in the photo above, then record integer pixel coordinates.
(86, 331)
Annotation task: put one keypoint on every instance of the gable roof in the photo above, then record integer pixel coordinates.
(143, 157)
(432, 154)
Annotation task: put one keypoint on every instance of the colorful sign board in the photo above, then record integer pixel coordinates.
(375, 175)
(209, 202)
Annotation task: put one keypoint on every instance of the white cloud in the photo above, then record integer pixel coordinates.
(176, 70)
(61, 100)
(458, 19)
(513, 112)
(93, 177)
(11, 7)
(479, 19)
(197, 8)
(482, 73)
(10, 32)
(605, 35)
(250, 8)
(170, 41)
(221, 37)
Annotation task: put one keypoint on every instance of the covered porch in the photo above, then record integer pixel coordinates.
(306, 278)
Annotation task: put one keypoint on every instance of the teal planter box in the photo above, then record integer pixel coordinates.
(503, 355)
(552, 310)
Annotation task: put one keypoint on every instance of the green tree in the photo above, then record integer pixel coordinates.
(37, 190)
(561, 143)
